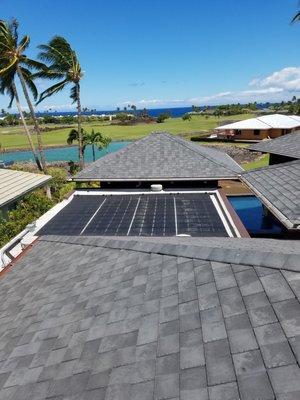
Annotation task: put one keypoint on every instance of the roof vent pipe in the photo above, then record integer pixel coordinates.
(156, 188)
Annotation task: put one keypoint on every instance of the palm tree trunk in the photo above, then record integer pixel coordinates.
(27, 132)
(33, 115)
(93, 148)
(80, 141)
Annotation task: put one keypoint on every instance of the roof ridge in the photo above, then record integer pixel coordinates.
(258, 118)
(198, 150)
(269, 258)
(273, 166)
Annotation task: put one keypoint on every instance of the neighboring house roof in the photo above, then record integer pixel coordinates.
(287, 145)
(274, 121)
(14, 184)
(161, 156)
(88, 318)
(278, 187)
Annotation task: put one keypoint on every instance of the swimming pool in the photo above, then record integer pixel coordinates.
(251, 212)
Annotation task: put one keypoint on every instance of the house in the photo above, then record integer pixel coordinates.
(161, 158)
(267, 126)
(112, 302)
(160, 185)
(282, 149)
(16, 184)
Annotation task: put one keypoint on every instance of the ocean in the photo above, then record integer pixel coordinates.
(154, 112)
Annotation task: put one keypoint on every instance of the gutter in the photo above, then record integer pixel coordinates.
(5, 252)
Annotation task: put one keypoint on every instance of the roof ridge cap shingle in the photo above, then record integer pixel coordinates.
(198, 150)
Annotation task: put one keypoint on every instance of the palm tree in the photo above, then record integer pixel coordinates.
(97, 139)
(93, 139)
(63, 65)
(15, 63)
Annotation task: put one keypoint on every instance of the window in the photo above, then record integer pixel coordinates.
(256, 132)
(238, 132)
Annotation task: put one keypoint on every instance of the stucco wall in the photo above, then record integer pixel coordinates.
(248, 134)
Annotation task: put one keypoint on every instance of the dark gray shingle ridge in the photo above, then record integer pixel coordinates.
(278, 186)
(270, 253)
(287, 145)
(161, 156)
(84, 322)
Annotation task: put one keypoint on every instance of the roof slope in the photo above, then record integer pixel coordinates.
(287, 145)
(101, 320)
(275, 121)
(161, 156)
(14, 184)
(278, 186)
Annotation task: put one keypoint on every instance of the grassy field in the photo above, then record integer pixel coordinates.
(14, 138)
(260, 162)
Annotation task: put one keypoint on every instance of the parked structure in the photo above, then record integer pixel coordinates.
(267, 126)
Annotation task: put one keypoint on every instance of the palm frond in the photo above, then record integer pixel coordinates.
(52, 89)
(28, 76)
(32, 64)
(24, 43)
(296, 18)
(74, 93)
(9, 66)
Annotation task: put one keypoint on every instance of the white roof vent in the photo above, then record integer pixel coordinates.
(156, 188)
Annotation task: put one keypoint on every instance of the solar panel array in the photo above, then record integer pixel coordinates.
(171, 214)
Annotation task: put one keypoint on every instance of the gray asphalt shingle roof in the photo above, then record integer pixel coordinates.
(161, 156)
(93, 318)
(278, 186)
(287, 145)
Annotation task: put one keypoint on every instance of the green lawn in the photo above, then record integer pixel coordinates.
(11, 138)
(260, 162)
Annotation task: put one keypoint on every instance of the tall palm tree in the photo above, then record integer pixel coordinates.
(63, 65)
(15, 63)
(8, 86)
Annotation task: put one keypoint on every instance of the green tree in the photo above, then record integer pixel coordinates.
(95, 139)
(63, 65)
(14, 63)
(186, 117)
(98, 140)
(133, 107)
(162, 117)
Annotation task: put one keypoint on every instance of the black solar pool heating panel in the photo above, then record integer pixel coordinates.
(171, 214)
(72, 219)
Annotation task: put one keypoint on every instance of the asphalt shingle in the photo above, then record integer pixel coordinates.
(278, 187)
(161, 156)
(88, 320)
(287, 145)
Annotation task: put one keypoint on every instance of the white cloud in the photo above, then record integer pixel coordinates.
(286, 79)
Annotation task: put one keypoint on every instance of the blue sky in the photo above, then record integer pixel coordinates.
(172, 52)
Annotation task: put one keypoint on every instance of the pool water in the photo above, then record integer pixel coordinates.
(252, 214)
